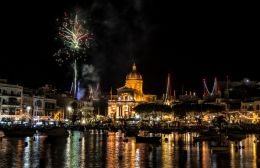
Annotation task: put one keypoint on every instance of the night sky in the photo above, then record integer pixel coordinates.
(191, 42)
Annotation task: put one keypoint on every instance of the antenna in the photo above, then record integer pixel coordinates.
(227, 88)
(132, 58)
(168, 94)
(111, 93)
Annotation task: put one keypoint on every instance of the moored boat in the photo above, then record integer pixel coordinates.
(148, 138)
(18, 131)
(220, 148)
(57, 132)
(236, 136)
(204, 138)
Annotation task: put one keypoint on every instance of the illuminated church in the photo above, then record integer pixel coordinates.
(121, 106)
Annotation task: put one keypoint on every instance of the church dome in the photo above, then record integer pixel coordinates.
(134, 74)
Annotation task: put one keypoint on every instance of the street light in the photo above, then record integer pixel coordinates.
(69, 108)
(28, 108)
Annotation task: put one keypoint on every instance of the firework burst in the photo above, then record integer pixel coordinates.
(76, 39)
(73, 33)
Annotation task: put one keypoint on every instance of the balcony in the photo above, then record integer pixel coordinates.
(11, 94)
(10, 103)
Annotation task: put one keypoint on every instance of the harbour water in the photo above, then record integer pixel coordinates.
(110, 149)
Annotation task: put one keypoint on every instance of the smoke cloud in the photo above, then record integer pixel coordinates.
(122, 31)
(123, 34)
(89, 82)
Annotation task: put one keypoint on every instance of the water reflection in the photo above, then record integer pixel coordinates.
(108, 149)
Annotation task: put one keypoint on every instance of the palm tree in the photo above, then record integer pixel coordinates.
(219, 121)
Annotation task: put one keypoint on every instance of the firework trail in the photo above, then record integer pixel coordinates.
(75, 76)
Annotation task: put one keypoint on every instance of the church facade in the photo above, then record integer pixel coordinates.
(120, 106)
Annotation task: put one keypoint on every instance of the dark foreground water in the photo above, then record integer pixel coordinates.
(107, 149)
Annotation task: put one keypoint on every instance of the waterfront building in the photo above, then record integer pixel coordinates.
(120, 106)
(10, 100)
(250, 111)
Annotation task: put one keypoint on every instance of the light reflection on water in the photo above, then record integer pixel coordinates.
(108, 149)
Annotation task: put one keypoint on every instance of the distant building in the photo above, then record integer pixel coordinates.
(250, 111)
(191, 97)
(121, 105)
(10, 99)
(43, 108)
(243, 89)
(63, 102)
